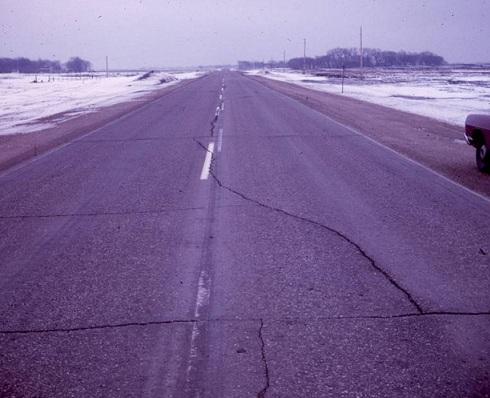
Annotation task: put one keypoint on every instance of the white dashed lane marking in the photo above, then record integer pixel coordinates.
(220, 140)
(207, 162)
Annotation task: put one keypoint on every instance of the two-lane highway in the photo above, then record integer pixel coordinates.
(228, 241)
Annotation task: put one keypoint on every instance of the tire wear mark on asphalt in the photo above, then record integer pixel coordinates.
(345, 238)
(217, 320)
(262, 392)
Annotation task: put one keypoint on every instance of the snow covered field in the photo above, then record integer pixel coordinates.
(443, 94)
(24, 105)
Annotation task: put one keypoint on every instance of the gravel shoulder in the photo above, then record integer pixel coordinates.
(16, 148)
(435, 144)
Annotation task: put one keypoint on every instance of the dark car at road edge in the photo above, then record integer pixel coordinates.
(477, 134)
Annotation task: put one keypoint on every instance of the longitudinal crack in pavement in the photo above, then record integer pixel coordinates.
(214, 121)
(213, 124)
(359, 249)
(262, 392)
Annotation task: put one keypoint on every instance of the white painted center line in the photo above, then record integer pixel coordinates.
(220, 139)
(202, 298)
(207, 162)
(458, 141)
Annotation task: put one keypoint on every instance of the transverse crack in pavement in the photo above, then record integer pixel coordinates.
(98, 327)
(360, 250)
(133, 139)
(262, 392)
(191, 321)
(103, 213)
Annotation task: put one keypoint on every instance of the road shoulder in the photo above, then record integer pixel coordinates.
(434, 144)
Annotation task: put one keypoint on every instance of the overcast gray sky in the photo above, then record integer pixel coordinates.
(137, 33)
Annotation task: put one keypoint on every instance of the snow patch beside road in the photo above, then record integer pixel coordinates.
(26, 106)
(448, 95)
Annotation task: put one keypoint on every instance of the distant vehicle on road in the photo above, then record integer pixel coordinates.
(477, 134)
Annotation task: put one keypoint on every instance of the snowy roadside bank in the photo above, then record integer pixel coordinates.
(26, 106)
(16, 148)
(448, 95)
(435, 144)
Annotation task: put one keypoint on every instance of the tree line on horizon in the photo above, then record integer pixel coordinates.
(26, 65)
(350, 58)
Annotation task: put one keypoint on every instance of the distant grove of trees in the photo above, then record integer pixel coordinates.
(350, 57)
(76, 64)
(25, 65)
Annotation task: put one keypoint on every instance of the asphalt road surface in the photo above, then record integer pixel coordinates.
(228, 241)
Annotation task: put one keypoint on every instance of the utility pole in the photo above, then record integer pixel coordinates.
(106, 66)
(284, 58)
(343, 74)
(304, 56)
(361, 52)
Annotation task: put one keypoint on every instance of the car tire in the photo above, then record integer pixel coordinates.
(483, 157)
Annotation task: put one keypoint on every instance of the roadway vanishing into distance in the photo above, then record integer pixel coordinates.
(228, 241)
